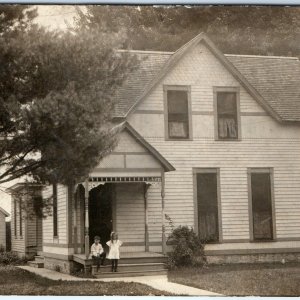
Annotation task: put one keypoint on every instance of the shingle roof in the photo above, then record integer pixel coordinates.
(275, 79)
(150, 63)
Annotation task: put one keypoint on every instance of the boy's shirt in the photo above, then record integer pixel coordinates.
(96, 249)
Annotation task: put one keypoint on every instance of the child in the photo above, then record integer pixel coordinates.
(98, 254)
(114, 251)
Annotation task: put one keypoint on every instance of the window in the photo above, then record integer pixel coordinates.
(261, 205)
(21, 217)
(55, 210)
(15, 217)
(208, 220)
(227, 114)
(177, 113)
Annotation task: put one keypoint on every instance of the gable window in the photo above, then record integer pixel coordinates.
(177, 113)
(227, 115)
(55, 225)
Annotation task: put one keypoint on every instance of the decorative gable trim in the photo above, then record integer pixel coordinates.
(165, 164)
(174, 59)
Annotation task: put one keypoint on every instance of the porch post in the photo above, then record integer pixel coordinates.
(146, 187)
(163, 212)
(86, 225)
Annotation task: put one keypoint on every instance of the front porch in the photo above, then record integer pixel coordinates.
(124, 193)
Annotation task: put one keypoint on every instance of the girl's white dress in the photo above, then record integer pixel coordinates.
(114, 249)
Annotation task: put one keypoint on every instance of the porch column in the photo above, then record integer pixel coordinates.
(163, 212)
(86, 225)
(146, 187)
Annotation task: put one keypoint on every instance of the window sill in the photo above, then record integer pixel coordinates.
(263, 241)
(228, 140)
(178, 139)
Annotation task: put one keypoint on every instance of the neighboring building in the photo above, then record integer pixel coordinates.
(211, 140)
(3, 214)
(26, 226)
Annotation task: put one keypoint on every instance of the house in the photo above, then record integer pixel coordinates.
(209, 139)
(3, 214)
(26, 225)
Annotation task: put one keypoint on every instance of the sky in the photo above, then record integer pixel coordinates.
(55, 16)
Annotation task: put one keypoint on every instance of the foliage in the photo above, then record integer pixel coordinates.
(57, 102)
(187, 248)
(263, 30)
(10, 258)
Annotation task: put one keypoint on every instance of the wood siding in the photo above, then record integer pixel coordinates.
(17, 241)
(130, 213)
(264, 143)
(61, 216)
(2, 231)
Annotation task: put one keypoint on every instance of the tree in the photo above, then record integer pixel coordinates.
(235, 29)
(57, 95)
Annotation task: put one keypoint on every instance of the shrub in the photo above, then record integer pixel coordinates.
(10, 258)
(187, 248)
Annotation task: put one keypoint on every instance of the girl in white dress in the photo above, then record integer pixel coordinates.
(114, 251)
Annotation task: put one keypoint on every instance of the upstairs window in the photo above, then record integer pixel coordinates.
(178, 120)
(55, 221)
(227, 115)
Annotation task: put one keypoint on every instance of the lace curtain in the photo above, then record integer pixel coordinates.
(227, 128)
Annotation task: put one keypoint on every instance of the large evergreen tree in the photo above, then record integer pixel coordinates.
(57, 98)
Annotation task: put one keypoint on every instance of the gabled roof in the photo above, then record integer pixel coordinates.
(165, 164)
(6, 214)
(272, 81)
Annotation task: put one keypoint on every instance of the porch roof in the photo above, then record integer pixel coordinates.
(165, 164)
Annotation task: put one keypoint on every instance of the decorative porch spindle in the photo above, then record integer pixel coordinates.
(86, 226)
(163, 212)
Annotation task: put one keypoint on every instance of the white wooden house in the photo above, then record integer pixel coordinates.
(209, 139)
(3, 214)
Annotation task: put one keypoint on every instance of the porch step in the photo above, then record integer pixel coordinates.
(143, 260)
(134, 267)
(35, 264)
(131, 273)
(39, 258)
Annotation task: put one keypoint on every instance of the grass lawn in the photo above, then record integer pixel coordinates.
(243, 279)
(14, 281)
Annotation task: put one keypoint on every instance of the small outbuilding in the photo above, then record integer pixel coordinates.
(3, 214)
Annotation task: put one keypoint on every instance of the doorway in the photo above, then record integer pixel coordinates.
(101, 212)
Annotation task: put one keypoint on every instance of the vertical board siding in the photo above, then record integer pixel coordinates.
(130, 212)
(264, 143)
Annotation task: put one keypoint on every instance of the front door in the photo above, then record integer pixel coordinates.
(100, 212)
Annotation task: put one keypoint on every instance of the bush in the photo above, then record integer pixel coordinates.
(188, 250)
(10, 258)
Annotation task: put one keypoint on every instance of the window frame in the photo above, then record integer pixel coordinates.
(185, 88)
(220, 89)
(15, 217)
(208, 171)
(55, 211)
(270, 171)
